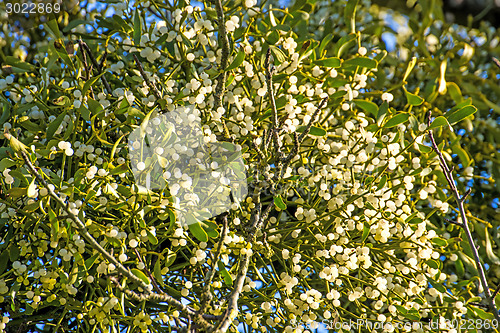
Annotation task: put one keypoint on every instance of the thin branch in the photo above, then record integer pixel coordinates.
(496, 61)
(466, 194)
(206, 294)
(155, 284)
(274, 128)
(148, 295)
(495, 293)
(96, 65)
(460, 203)
(150, 84)
(221, 78)
(454, 222)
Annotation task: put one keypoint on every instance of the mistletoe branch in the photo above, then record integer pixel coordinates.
(448, 173)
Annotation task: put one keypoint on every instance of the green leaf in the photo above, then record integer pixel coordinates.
(397, 119)
(54, 125)
(328, 62)
(382, 111)
(152, 238)
(298, 4)
(84, 112)
(344, 44)
(367, 106)
(483, 314)
(382, 182)
(459, 267)
(460, 114)
(53, 28)
(439, 122)
(14, 252)
(350, 14)
(316, 131)
(273, 37)
(432, 264)
(210, 228)
(119, 169)
(366, 232)
(5, 113)
(89, 83)
(413, 99)
(454, 91)
(54, 221)
(462, 154)
(21, 66)
(169, 257)
(122, 23)
(278, 201)
(230, 80)
(157, 273)
(140, 275)
(137, 27)
(6, 163)
(238, 60)
(74, 23)
(361, 62)
(439, 242)
(4, 260)
(195, 228)
(225, 274)
(324, 43)
(437, 285)
(278, 54)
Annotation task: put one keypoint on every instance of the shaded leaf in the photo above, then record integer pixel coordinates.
(238, 60)
(460, 114)
(397, 119)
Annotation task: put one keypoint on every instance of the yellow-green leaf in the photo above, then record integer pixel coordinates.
(367, 106)
(413, 99)
(278, 201)
(460, 114)
(397, 119)
(237, 61)
(333, 62)
(439, 122)
(225, 274)
(140, 275)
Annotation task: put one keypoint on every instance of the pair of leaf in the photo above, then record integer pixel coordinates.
(201, 230)
(453, 117)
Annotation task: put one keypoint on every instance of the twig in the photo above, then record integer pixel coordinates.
(496, 61)
(221, 78)
(155, 284)
(454, 222)
(495, 293)
(479, 305)
(232, 308)
(206, 295)
(460, 203)
(96, 65)
(148, 295)
(269, 68)
(146, 79)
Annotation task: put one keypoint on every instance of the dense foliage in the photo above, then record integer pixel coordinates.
(347, 206)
